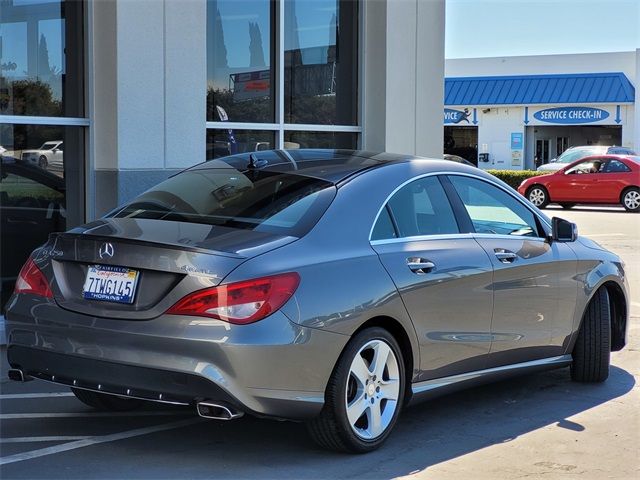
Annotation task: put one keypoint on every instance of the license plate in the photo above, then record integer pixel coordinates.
(110, 284)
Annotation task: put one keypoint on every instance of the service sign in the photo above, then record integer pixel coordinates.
(573, 115)
(457, 116)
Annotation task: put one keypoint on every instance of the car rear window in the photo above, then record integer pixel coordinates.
(280, 203)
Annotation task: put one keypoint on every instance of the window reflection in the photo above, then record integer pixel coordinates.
(41, 48)
(239, 61)
(321, 61)
(344, 140)
(221, 143)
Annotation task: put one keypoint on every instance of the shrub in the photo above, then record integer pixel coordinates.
(515, 177)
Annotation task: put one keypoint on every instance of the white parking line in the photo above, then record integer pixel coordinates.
(12, 396)
(15, 416)
(41, 439)
(19, 457)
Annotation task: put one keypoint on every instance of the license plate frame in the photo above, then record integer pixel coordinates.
(109, 283)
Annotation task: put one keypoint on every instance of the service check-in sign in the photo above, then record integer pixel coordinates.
(574, 115)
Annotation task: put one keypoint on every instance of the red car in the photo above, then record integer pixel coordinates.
(602, 179)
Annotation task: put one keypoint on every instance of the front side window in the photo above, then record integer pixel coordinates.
(419, 208)
(258, 200)
(494, 211)
(588, 166)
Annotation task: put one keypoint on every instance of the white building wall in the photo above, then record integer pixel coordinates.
(494, 133)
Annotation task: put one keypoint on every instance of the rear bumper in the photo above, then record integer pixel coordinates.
(271, 368)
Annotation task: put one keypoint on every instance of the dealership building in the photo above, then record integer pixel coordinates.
(518, 112)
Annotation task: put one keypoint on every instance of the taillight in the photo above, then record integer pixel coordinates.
(242, 302)
(32, 280)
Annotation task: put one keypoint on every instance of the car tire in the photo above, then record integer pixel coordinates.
(630, 199)
(538, 195)
(351, 386)
(592, 351)
(567, 206)
(42, 161)
(103, 401)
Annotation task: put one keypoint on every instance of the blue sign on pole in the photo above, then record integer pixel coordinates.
(516, 141)
(571, 115)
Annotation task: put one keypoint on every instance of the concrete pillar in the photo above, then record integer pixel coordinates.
(144, 49)
(404, 71)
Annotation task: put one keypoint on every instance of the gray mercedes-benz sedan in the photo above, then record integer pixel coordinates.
(329, 286)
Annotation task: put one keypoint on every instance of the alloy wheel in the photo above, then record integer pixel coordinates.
(373, 389)
(537, 197)
(632, 199)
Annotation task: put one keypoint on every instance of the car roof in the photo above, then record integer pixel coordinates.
(332, 165)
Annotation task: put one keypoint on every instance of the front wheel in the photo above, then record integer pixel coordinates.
(538, 196)
(631, 199)
(42, 162)
(592, 351)
(364, 395)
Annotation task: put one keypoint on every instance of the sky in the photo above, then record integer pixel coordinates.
(493, 28)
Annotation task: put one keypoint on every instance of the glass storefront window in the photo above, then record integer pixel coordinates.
(221, 143)
(296, 139)
(240, 46)
(42, 58)
(41, 191)
(321, 62)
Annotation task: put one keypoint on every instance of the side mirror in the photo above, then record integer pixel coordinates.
(563, 230)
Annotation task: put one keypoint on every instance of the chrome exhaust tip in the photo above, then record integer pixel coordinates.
(218, 411)
(17, 375)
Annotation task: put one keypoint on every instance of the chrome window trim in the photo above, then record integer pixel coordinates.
(423, 238)
(462, 174)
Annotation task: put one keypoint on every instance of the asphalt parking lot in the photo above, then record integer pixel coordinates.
(538, 426)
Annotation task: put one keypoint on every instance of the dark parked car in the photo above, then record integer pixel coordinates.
(457, 159)
(329, 286)
(31, 206)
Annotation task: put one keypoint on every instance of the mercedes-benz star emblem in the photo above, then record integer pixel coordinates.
(106, 250)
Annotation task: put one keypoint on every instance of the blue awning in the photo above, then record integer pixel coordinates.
(539, 89)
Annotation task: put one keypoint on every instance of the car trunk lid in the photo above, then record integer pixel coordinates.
(171, 260)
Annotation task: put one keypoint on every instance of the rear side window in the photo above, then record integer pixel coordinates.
(419, 208)
(614, 166)
(279, 203)
(494, 211)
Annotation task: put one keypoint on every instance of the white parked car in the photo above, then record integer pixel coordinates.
(49, 156)
(573, 154)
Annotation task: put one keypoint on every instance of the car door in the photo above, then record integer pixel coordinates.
(615, 176)
(443, 276)
(583, 182)
(534, 285)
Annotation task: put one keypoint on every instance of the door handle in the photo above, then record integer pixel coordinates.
(505, 256)
(419, 265)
